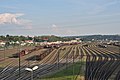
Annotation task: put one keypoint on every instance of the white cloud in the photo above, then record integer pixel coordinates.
(62, 30)
(9, 18)
(54, 26)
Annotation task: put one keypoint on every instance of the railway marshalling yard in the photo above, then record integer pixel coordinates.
(96, 63)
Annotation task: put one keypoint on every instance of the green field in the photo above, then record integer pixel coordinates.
(73, 72)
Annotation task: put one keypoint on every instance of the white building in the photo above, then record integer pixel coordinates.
(2, 43)
(29, 41)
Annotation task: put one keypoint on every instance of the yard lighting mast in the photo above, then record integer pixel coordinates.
(31, 70)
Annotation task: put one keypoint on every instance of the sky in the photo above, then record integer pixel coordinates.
(59, 17)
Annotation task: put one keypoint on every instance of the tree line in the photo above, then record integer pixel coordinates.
(50, 38)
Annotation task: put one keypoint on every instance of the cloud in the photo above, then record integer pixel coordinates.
(62, 30)
(54, 26)
(9, 18)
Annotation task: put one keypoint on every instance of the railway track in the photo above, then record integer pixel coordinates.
(101, 63)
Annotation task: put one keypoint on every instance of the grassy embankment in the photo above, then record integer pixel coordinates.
(73, 72)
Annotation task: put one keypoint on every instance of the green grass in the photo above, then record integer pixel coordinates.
(69, 73)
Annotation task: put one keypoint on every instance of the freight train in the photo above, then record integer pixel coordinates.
(102, 46)
(26, 51)
(41, 55)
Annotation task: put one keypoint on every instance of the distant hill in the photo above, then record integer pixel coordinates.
(97, 37)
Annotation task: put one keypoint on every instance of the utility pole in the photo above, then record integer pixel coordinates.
(4, 52)
(73, 64)
(19, 60)
(58, 55)
(80, 61)
(31, 75)
(119, 49)
(19, 64)
(28, 60)
(66, 60)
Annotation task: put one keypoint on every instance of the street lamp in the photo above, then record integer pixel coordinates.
(31, 70)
